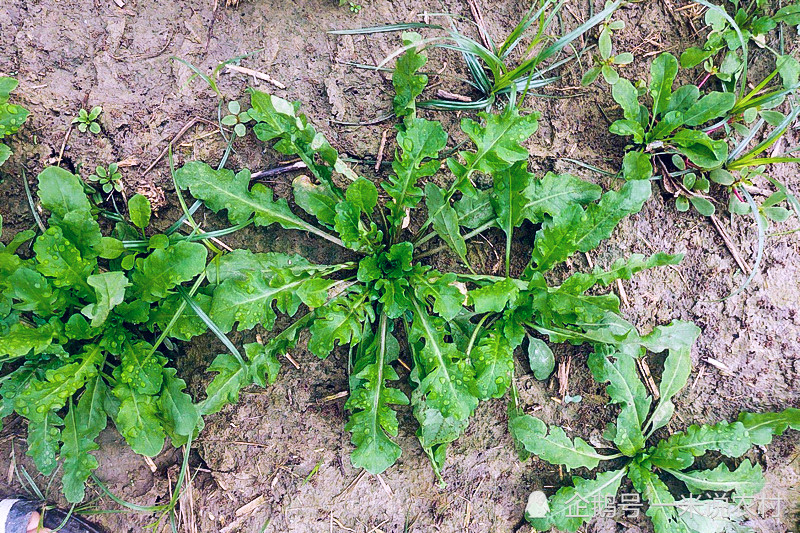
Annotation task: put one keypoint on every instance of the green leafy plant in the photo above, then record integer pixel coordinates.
(237, 118)
(672, 138)
(108, 178)
(12, 116)
(461, 329)
(605, 63)
(77, 343)
(724, 53)
(494, 68)
(640, 416)
(355, 8)
(87, 120)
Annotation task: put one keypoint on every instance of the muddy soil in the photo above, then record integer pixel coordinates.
(285, 446)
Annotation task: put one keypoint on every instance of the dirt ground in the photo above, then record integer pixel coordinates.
(286, 445)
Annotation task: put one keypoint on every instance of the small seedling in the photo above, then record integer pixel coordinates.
(354, 7)
(237, 118)
(109, 179)
(87, 120)
(605, 63)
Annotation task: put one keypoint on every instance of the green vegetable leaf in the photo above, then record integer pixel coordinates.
(58, 258)
(408, 85)
(21, 339)
(138, 420)
(445, 220)
(540, 358)
(579, 282)
(447, 298)
(221, 189)
(497, 142)
(678, 337)
(181, 416)
(279, 119)
(341, 320)
(224, 388)
(493, 360)
(555, 192)
(109, 289)
(679, 450)
(315, 199)
(139, 210)
(474, 209)
(372, 421)
(61, 192)
(568, 505)
(700, 148)
(494, 297)
(82, 425)
(139, 371)
(661, 510)
(420, 143)
(447, 380)
(626, 389)
(363, 194)
(711, 106)
(157, 274)
(762, 426)
(574, 229)
(662, 75)
(746, 480)
(552, 444)
(43, 440)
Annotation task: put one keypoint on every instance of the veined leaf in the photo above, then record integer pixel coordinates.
(138, 371)
(572, 229)
(762, 426)
(82, 425)
(279, 119)
(661, 510)
(445, 220)
(497, 142)
(552, 444)
(59, 384)
(250, 301)
(61, 192)
(700, 148)
(372, 421)
(43, 440)
(568, 506)
(493, 360)
(474, 209)
(181, 416)
(32, 292)
(109, 289)
(713, 105)
(448, 301)
(138, 420)
(157, 274)
(555, 192)
(408, 85)
(236, 264)
(678, 337)
(579, 282)
(58, 258)
(21, 339)
(224, 388)
(315, 199)
(447, 380)
(419, 142)
(221, 189)
(662, 75)
(494, 297)
(626, 389)
(746, 480)
(679, 450)
(340, 320)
